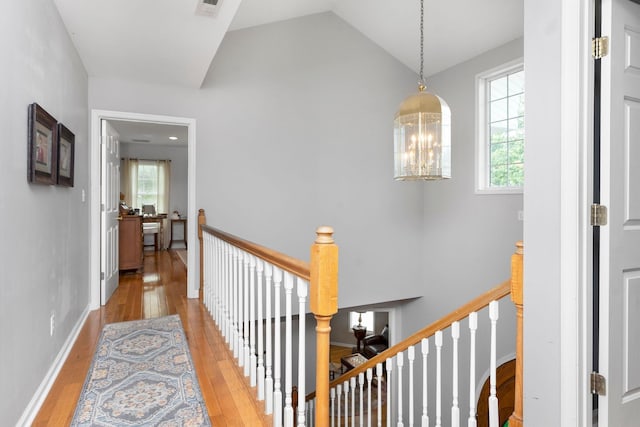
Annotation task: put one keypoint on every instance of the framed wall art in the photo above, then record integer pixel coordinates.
(66, 154)
(43, 146)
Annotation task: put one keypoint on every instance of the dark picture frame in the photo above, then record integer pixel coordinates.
(66, 155)
(43, 146)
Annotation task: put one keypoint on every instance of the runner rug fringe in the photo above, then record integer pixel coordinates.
(142, 374)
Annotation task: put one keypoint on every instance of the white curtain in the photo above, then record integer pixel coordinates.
(164, 189)
(129, 181)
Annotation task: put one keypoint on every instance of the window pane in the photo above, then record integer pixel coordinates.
(498, 154)
(516, 83)
(516, 175)
(516, 151)
(367, 319)
(516, 105)
(499, 176)
(498, 110)
(498, 89)
(503, 114)
(499, 132)
(147, 184)
(516, 129)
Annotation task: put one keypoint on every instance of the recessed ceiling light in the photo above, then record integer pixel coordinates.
(173, 138)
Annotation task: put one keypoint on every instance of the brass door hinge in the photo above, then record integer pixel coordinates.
(599, 47)
(598, 384)
(598, 215)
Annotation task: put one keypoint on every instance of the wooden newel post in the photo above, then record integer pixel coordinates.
(202, 220)
(516, 419)
(323, 300)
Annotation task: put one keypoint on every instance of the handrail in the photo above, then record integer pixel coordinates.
(295, 266)
(458, 314)
(321, 273)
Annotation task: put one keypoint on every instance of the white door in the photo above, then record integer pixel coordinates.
(620, 250)
(109, 199)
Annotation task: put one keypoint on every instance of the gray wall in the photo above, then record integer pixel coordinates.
(44, 265)
(294, 131)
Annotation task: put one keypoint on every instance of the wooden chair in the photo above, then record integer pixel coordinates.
(151, 228)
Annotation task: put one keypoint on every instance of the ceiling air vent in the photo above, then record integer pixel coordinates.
(208, 7)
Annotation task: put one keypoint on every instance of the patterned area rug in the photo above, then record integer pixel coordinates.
(142, 375)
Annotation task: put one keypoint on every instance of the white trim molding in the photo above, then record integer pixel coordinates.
(94, 153)
(481, 148)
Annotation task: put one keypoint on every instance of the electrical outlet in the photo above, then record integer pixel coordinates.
(52, 323)
(520, 215)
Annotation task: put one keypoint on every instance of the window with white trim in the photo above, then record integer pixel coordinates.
(501, 121)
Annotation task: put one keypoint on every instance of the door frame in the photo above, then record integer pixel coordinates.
(95, 166)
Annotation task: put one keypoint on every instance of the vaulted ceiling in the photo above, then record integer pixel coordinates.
(166, 42)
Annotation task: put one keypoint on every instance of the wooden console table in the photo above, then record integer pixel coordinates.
(183, 222)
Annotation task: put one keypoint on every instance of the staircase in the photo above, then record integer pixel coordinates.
(260, 300)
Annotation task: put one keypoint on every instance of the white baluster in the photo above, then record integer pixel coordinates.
(235, 280)
(379, 384)
(361, 388)
(346, 403)
(302, 300)
(438, 378)
(253, 361)
(277, 350)
(338, 402)
(260, 321)
(309, 413)
(389, 364)
(288, 353)
(400, 363)
(425, 384)
(473, 327)
(455, 410)
(352, 383)
(332, 399)
(361, 398)
(493, 399)
(240, 296)
(411, 356)
(245, 311)
(223, 289)
(369, 389)
(268, 381)
(226, 286)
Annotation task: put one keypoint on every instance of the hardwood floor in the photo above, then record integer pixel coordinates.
(160, 290)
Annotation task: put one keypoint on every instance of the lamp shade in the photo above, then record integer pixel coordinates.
(422, 138)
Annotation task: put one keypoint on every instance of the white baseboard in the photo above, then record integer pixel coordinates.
(343, 344)
(41, 393)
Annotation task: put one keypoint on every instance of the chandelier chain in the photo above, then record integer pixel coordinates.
(421, 82)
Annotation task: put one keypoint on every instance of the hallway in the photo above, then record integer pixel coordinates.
(158, 291)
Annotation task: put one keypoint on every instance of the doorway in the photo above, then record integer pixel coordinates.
(97, 116)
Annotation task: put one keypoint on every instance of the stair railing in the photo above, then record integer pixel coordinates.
(361, 386)
(243, 284)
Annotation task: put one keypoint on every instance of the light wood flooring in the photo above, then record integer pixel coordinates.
(160, 290)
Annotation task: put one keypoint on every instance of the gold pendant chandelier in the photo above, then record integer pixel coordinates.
(422, 131)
